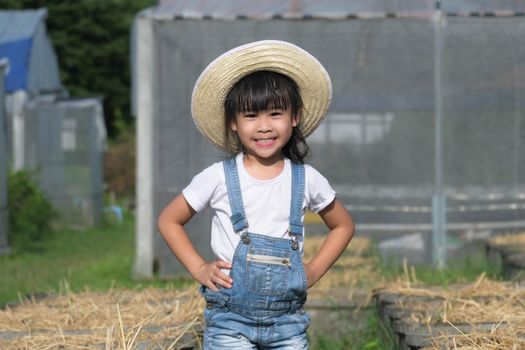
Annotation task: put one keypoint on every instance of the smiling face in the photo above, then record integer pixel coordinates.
(264, 134)
(261, 110)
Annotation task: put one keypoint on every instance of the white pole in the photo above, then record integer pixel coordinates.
(145, 225)
(18, 100)
(439, 234)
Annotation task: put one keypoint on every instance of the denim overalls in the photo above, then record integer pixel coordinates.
(264, 305)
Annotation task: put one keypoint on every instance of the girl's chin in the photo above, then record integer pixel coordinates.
(265, 154)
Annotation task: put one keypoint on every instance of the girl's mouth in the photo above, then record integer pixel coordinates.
(266, 141)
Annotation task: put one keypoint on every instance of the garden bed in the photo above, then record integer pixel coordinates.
(483, 315)
(160, 318)
(345, 289)
(130, 319)
(508, 252)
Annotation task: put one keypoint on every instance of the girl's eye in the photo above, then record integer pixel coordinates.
(248, 115)
(275, 113)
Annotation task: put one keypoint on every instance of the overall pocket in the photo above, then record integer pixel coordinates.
(213, 305)
(303, 288)
(209, 312)
(268, 271)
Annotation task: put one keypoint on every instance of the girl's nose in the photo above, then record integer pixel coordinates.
(265, 124)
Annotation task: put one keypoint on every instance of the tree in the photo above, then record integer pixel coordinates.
(92, 41)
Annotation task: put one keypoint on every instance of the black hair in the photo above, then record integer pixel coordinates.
(261, 91)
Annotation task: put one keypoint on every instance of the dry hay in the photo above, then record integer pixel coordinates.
(499, 338)
(477, 310)
(126, 319)
(358, 246)
(409, 285)
(357, 269)
(499, 304)
(481, 293)
(508, 239)
(505, 312)
(117, 319)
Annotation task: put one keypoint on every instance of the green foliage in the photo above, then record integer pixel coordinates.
(30, 213)
(92, 41)
(360, 330)
(98, 258)
(459, 270)
(119, 165)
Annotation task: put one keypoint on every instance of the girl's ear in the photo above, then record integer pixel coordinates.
(233, 125)
(296, 119)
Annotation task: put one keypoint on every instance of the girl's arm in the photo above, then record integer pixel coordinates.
(171, 226)
(341, 227)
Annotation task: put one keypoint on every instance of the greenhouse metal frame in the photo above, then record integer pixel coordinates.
(4, 210)
(425, 129)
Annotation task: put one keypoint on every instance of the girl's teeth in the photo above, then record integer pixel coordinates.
(265, 141)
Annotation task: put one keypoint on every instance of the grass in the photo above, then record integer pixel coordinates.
(459, 270)
(362, 330)
(96, 258)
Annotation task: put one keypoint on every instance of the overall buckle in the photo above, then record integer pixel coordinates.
(244, 237)
(295, 241)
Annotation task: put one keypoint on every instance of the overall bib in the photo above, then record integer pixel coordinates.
(264, 307)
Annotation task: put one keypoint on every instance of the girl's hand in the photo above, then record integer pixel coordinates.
(341, 226)
(211, 276)
(311, 276)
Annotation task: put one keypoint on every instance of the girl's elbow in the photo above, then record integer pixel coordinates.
(351, 229)
(162, 222)
(351, 221)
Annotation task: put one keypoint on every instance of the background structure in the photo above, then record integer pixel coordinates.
(60, 140)
(424, 135)
(64, 145)
(33, 70)
(3, 164)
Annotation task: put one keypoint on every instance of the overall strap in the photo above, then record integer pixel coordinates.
(296, 224)
(238, 217)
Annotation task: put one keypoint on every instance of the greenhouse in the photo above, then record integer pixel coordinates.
(424, 134)
(65, 141)
(3, 164)
(60, 140)
(33, 72)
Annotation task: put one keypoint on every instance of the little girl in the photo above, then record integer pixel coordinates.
(258, 102)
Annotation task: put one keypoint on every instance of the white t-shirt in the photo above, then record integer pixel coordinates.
(266, 202)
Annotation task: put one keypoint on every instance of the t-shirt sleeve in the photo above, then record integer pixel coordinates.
(319, 192)
(201, 188)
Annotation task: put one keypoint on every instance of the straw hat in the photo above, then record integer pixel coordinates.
(214, 83)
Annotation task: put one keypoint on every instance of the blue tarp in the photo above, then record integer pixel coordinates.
(17, 52)
(24, 41)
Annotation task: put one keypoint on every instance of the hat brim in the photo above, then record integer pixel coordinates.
(214, 83)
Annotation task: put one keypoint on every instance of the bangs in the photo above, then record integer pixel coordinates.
(262, 91)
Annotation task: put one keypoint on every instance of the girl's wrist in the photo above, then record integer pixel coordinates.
(196, 269)
(312, 274)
